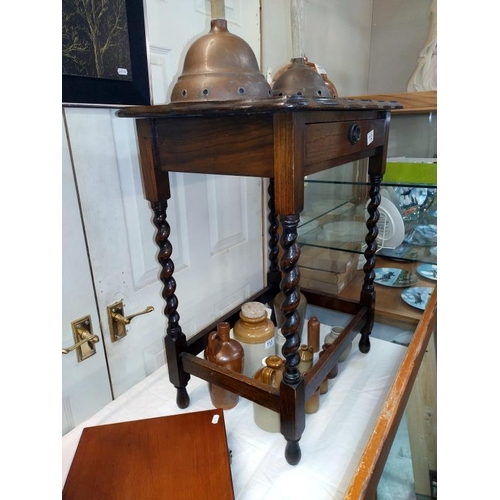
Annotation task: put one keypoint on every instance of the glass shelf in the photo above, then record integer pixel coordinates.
(335, 214)
(430, 185)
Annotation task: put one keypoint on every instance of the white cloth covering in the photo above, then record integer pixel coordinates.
(332, 443)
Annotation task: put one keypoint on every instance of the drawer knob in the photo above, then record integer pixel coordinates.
(354, 134)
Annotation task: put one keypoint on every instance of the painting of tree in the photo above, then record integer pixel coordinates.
(95, 39)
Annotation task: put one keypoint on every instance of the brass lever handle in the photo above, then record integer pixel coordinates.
(127, 319)
(84, 339)
(86, 336)
(117, 319)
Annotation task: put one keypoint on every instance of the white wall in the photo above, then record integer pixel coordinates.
(365, 46)
(399, 32)
(337, 37)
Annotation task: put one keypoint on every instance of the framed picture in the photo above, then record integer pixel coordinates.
(104, 53)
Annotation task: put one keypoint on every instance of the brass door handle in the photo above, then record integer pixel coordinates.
(118, 320)
(84, 339)
(127, 319)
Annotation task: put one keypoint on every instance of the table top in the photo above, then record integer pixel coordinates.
(332, 443)
(274, 104)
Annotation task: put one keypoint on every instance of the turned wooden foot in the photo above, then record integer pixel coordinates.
(182, 398)
(292, 452)
(364, 343)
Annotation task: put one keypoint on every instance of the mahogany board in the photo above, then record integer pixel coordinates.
(178, 457)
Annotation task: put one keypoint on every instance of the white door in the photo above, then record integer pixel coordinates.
(85, 384)
(216, 221)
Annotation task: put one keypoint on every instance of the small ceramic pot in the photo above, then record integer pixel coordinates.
(332, 336)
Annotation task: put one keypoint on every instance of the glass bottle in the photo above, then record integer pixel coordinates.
(227, 352)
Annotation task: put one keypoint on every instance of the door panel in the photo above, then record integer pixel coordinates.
(85, 385)
(216, 221)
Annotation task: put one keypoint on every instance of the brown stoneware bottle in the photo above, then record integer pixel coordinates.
(312, 404)
(227, 352)
(335, 370)
(313, 333)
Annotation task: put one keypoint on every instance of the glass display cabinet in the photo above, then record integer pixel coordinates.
(333, 222)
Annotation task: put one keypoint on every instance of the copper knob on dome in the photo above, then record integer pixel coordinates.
(220, 66)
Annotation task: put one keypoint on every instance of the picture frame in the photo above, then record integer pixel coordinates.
(109, 70)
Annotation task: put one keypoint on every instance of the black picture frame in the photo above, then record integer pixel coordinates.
(105, 92)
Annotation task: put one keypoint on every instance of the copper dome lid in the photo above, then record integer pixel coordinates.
(315, 67)
(301, 80)
(220, 66)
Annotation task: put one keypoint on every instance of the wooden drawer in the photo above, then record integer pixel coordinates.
(327, 141)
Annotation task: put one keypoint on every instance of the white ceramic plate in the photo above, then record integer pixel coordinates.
(391, 225)
(417, 296)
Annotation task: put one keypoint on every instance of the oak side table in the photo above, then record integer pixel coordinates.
(283, 139)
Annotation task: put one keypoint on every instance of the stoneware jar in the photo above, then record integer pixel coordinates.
(255, 331)
(227, 352)
(271, 374)
(331, 337)
(306, 354)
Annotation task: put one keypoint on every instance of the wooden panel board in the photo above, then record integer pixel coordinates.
(149, 459)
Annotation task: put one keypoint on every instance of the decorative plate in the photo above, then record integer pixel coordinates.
(417, 296)
(403, 252)
(429, 271)
(423, 235)
(411, 201)
(391, 276)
